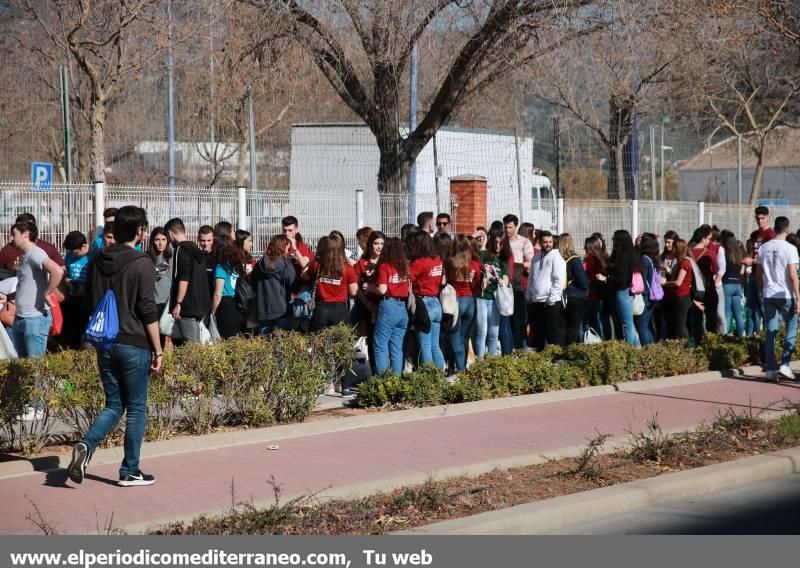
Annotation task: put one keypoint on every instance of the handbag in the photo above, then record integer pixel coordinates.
(245, 295)
(421, 319)
(504, 297)
(698, 281)
(591, 337)
(637, 283)
(638, 304)
(213, 330)
(8, 313)
(654, 289)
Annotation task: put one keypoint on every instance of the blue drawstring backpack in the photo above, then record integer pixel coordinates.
(103, 326)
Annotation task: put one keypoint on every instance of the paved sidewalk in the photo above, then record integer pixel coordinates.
(358, 460)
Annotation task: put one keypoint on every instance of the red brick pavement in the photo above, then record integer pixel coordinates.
(201, 481)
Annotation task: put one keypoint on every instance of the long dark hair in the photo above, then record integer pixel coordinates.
(442, 243)
(374, 236)
(394, 254)
(622, 250)
(733, 253)
(492, 240)
(420, 245)
(330, 256)
(228, 254)
(241, 237)
(151, 248)
(648, 246)
(595, 247)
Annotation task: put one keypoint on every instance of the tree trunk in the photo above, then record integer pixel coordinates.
(97, 157)
(619, 131)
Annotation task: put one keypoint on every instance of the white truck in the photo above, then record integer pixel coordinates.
(329, 162)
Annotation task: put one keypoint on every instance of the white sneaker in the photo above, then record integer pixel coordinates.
(771, 376)
(31, 414)
(786, 371)
(451, 379)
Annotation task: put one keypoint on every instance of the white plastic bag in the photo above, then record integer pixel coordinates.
(7, 350)
(361, 349)
(166, 323)
(591, 337)
(638, 304)
(449, 300)
(205, 335)
(213, 330)
(504, 297)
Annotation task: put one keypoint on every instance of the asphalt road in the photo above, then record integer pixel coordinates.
(767, 507)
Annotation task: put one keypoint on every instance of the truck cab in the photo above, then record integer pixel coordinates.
(542, 202)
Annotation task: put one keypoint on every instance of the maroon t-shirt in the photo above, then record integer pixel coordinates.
(9, 254)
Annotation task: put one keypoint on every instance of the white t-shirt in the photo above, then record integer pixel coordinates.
(775, 257)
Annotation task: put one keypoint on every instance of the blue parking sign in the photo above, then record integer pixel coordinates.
(41, 176)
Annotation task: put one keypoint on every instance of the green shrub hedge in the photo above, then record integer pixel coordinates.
(555, 368)
(242, 381)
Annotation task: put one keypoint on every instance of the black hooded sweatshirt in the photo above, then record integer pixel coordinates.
(131, 275)
(191, 267)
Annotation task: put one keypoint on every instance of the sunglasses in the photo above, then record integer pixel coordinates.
(442, 224)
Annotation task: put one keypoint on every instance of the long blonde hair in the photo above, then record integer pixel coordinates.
(566, 246)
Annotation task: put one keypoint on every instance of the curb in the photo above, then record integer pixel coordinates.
(549, 515)
(184, 444)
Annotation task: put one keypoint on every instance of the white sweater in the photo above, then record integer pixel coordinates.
(548, 278)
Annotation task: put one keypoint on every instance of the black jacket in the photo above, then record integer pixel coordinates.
(191, 267)
(273, 285)
(130, 274)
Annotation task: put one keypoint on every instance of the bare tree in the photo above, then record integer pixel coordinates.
(363, 47)
(602, 81)
(106, 41)
(744, 79)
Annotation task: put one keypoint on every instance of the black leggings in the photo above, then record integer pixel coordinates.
(573, 316)
(230, 321)
(677, 312)
(328, 314)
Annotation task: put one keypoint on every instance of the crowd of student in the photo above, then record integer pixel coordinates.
(424, 296)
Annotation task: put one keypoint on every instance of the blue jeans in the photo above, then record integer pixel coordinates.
(390, 329)
(624, 302)
(429, 350)
(487, 325)
(643, 322)
(777, 311)
(29, 335)
(733, 306)
(124, 371)
(458, 335)
(754, 307)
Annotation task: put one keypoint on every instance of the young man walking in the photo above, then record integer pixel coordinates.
(190, 300)
(778, 284)
(37, 278)
(125, 366)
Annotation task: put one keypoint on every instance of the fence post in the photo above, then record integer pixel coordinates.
(701, 212)
(634, 218)
(560, 215)
(242, 208)
(359, 208)
(99, 203)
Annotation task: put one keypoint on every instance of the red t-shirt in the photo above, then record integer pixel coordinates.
(686, 285)
(396, 285)
(426, 276)
(764, 235)
(9, 254)
(464, 289)
(333, 289)
(365, 270)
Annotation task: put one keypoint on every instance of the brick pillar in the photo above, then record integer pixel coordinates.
(470, 192)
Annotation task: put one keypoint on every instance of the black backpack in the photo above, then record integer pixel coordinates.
(245, 295)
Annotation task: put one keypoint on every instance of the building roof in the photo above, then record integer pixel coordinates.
(782, 151)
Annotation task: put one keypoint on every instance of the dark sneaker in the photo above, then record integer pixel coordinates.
(139, 478)
(80, 459)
